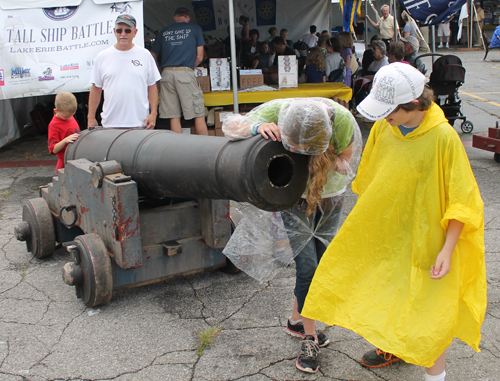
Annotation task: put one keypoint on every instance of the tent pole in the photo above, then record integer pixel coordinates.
(471, 18)
(396, 31)
(366, 25)
(234, 61)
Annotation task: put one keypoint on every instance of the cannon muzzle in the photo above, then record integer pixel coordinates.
(166, 164)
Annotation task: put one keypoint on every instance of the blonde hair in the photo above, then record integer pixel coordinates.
(66, 102)
(315, 56)
(319, 167)
(346, 40)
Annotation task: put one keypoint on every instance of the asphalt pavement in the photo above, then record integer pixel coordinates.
(151, 332)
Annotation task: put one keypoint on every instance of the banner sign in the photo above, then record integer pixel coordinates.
(350, 8)
(204, 13)
(432, 12)
(265, 12)
(50, 50)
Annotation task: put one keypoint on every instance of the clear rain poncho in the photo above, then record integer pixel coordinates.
(265, 242)
(305, 123)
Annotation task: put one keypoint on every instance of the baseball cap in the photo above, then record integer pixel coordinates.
(413, 41)
(182, 9)
(126, 19)
(393, 85)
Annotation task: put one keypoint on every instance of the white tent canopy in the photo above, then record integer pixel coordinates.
(62, 62)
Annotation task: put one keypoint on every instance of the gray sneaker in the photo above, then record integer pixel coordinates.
(297, 330)
(307, 361)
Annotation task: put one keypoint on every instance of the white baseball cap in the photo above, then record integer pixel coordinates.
(394, 84)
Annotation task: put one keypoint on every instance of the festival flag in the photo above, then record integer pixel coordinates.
(265, 11)
(350, 9)
(204, 13)
(434, 12)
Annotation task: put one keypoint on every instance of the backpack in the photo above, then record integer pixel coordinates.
(337, 75)
(300, 45)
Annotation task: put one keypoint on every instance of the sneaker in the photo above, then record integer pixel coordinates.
(447, 46)
(297, 330)
(377, 358)
(308, 357)
(440, 46)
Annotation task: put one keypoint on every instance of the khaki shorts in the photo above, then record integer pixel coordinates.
(443, 30)
(180, 93)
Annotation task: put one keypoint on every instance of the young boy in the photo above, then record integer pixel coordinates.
(63, 128)
(406, 270)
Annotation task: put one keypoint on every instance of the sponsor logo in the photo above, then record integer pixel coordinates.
(2, 78)
(70, 66)
(20, 72)
(60, 13)
(47, 75)
(136, 63)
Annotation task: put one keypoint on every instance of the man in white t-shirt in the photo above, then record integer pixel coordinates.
(128, 74)
(310, 39)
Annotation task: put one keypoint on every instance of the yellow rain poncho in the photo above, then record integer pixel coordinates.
(374, 277)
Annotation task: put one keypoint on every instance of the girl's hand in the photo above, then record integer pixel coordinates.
(270, 130)
(442, 266)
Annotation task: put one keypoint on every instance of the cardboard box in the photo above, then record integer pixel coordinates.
(219, 117)
(250, 71)
(211, 131)
(218, 132)
(204, 84)
(251, 80)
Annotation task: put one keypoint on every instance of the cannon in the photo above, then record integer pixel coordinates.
(135, 207)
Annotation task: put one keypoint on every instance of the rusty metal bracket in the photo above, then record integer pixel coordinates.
(68, 208)
(171, 248)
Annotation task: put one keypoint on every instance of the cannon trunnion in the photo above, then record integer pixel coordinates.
(135, 207)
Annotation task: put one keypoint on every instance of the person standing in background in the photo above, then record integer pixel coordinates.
(178, 49)
(128, 74)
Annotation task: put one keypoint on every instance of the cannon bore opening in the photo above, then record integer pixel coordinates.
(280, 171)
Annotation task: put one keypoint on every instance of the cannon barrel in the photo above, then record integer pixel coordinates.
(166, 164)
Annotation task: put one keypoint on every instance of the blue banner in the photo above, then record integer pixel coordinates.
(204, 13)
(265, 10)
(350, 8)
(432, 12)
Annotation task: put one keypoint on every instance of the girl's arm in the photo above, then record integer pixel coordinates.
(240, 129)
(443, 260)
(348, 61)
(324, 78)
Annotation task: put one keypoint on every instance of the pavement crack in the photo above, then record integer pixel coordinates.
(8, 353)
(198, 297)
(246, 302)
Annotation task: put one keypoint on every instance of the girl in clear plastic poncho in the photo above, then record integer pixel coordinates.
(326, 131)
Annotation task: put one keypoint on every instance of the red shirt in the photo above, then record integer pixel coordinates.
(58, 130)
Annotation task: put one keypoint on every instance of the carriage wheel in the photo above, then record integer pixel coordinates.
(90, 272)
(496, 157)
(37, 228)
(467, 126)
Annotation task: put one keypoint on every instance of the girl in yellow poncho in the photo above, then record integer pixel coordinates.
(419, 210)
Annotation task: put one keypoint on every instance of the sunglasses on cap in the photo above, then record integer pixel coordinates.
(120, 30)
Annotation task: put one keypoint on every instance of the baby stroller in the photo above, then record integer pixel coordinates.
(447, 76)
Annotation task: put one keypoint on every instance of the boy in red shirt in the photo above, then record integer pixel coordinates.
(63, 128)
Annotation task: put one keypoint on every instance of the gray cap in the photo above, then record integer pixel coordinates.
(126, 19)
(413, 41)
